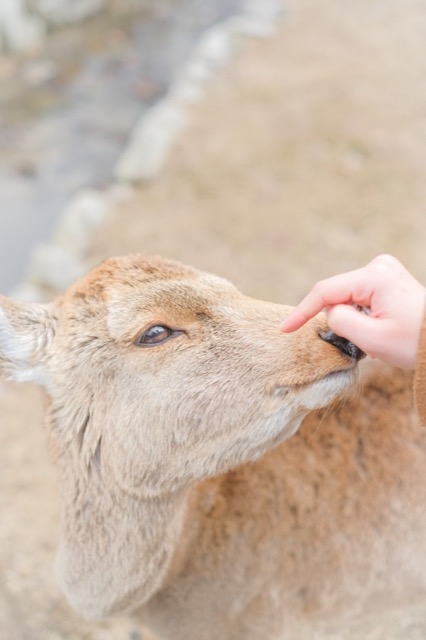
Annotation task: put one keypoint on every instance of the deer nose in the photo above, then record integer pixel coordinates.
(345, 346)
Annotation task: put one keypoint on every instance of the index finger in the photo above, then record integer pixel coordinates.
(345, 288)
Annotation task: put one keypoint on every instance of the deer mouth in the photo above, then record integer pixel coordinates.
(325, 390)
(342, 378)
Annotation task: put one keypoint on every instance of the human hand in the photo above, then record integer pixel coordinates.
(394, 305)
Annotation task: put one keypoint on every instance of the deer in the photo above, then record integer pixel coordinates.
(217, 477)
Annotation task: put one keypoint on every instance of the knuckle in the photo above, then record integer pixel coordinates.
(385, 260)
(385, 265)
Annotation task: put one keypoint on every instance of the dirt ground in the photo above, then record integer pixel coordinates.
(307, 157)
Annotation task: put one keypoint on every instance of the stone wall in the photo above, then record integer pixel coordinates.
(24, 23)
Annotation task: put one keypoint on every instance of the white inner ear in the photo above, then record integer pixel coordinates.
(17, 347)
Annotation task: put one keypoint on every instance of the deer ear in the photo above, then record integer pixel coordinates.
(26, 330)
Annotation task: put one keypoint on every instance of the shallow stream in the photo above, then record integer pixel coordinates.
(66, 114)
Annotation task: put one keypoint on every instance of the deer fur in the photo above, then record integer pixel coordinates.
(183, 494)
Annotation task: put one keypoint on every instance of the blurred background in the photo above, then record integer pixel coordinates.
(75, 77)
(304, 157)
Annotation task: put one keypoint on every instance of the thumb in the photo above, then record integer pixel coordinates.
(356, 326)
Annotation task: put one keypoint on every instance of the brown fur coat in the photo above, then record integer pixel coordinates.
(420, 376)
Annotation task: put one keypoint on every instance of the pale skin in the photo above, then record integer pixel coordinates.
(379, 307)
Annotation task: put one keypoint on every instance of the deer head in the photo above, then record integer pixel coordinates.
(170, 374)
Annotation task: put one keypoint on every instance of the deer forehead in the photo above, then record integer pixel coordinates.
(172, 302)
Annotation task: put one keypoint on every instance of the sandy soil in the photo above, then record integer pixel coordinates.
(308, 158)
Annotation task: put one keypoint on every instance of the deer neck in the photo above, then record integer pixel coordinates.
(117, 548)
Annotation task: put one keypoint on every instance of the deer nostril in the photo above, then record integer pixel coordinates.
(345, 346)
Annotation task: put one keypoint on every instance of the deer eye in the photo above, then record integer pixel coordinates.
(156, 335)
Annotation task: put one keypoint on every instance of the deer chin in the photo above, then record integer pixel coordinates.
(290, 405)
(284, 421)
(334, 385)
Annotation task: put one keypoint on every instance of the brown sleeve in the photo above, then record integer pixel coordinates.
(420, 376)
